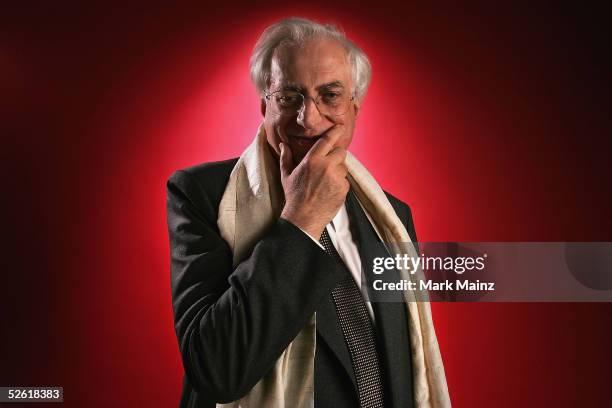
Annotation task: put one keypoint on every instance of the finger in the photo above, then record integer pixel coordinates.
(342, 169)
(346, 186)
(286, 160)
(338, 173)
(327, 141)
(337, 155)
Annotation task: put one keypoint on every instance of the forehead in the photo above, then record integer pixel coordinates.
(310, 65)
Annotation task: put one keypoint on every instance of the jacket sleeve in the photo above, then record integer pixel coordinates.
(233, 324)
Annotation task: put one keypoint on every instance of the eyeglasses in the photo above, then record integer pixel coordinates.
(289, 103)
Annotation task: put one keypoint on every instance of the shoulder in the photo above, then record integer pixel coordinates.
(208, 176)
(202, 184)
(401, 208)
(404, 213)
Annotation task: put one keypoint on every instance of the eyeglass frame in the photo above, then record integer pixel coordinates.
(268, 95)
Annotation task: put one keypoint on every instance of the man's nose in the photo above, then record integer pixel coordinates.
(309, 115)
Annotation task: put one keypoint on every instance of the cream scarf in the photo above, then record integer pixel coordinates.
(251, 203)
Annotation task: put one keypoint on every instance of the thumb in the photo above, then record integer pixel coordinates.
(286, 160)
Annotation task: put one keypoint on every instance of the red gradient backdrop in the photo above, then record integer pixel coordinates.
(491, 122)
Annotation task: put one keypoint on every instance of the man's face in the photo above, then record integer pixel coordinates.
(316, 67)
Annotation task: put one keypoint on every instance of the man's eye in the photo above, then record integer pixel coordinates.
(287, 99)
(331, 96)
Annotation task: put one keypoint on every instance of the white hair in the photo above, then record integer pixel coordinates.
(296, 31)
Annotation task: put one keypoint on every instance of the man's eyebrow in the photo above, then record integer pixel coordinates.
(292, 86)
(333, 84)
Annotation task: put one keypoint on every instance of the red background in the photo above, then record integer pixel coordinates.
(491, 122)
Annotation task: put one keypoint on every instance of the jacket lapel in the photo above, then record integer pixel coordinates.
(389, 310)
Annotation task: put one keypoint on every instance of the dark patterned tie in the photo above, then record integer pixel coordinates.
(358, 334)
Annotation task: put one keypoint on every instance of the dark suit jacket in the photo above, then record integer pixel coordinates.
(233, 324)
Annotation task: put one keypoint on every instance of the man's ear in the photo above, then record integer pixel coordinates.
(262, 107)
(357, 107)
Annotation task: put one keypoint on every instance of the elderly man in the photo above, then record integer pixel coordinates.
(270, 303)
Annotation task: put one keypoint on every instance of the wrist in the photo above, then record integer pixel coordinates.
(314, 229)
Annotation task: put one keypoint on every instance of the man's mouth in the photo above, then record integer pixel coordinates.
(305, 141)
